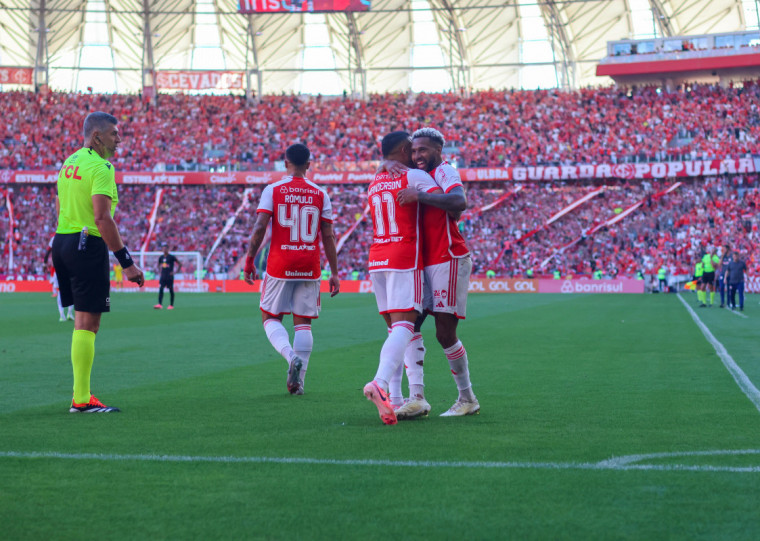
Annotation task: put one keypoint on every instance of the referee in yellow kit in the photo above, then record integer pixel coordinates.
(86, 230)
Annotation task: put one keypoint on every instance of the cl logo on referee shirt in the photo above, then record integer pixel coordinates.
(68, 174)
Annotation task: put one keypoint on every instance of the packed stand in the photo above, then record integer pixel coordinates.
(487, 128)
(509, 239)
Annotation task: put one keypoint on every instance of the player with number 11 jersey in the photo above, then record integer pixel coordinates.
(395, 263)
(396, 240)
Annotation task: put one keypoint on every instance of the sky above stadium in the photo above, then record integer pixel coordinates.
(430, 60)
(426, 53)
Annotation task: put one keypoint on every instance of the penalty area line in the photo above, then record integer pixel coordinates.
(741, 379)
(607, 465)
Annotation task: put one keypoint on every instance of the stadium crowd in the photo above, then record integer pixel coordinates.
(487, 128)
(510, 239)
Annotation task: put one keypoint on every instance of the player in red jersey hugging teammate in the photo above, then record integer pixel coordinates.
(447, 266)
(300, 212)
(395, 263)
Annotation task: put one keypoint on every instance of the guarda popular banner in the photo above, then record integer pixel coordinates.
(538, 173)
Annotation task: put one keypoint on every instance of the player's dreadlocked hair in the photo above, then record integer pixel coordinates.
(392, 140)
(431, 133)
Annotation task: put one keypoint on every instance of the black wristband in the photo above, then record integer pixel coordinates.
(125, 260)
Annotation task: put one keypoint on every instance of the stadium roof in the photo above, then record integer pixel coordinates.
(398, 45)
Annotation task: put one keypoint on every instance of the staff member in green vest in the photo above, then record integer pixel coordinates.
(698, 272)
(662, 275)
(710, 263)
(490, 273)
(86, 204)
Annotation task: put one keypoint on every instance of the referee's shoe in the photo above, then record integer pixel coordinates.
(93, 406)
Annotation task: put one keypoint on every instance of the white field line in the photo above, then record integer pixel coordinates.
(737, 313)
(630, 459)
(614, 464)
(737, 373)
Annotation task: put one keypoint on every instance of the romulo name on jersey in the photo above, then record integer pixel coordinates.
(303, 199)
(385, 186)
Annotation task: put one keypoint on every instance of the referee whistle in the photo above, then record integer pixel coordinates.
(83, 239)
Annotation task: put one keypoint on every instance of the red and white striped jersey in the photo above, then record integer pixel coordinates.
(396, 231)
(441, 239)
(297, 206)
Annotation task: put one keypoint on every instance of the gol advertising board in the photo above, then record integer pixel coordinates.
(477, 285)
(503, 285)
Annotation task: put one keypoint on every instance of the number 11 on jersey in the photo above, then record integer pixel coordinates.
(384, 199)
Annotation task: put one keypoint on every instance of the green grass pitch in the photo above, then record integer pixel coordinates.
(210, 445)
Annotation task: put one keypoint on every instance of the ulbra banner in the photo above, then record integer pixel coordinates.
(616, 285)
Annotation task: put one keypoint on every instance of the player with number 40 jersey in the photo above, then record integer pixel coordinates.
(301, 214)
(297, 207)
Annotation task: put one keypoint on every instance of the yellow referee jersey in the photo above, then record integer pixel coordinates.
(83, 175)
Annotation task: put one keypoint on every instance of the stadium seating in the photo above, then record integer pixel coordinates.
(667, 230)
(489, 128)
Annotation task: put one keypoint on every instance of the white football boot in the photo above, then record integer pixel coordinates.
(413, 408)
(462, 408)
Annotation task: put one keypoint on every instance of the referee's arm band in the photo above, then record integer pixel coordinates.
(125, 260)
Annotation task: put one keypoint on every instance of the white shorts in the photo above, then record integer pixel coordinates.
(297, 297)
(397, 291)
(446, 286)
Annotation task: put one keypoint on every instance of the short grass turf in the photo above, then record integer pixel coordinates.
(563, 381)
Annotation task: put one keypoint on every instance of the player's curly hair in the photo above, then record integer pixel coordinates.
(431, 133)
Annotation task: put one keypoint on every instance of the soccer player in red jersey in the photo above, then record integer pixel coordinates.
(395, 263)
(447, 264)
(300, 212)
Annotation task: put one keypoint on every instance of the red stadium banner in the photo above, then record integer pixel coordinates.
(705, 63)
(200, 80)
(292, 6)
(477, 285)
(16, 76)
(42, 285)
(538, 173)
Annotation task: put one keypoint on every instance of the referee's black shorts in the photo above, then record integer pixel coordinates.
(83, 275)
(708, 278)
